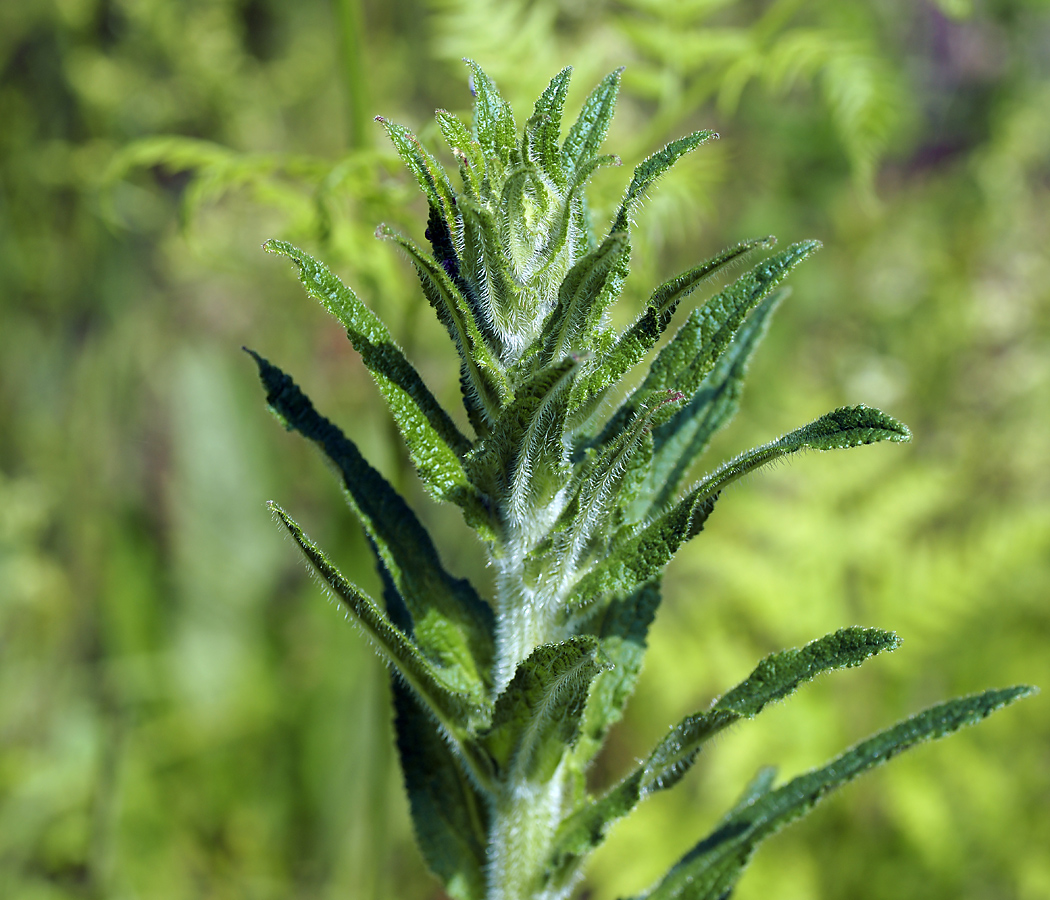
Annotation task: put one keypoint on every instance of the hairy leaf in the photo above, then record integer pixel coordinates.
(434, 443)
(449, 814)
(493, 120)
(777, 676)
(453, 709)
(711, 869)
(590, 128)
(536, 720)
(692, 353)
(842, 428)
(651, 168)
(428, 171)
(451, 623)
(543, 130)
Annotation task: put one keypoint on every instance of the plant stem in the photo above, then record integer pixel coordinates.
(348, 14)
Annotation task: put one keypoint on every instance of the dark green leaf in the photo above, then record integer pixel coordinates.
(449, 813)
(451, 623)
(712, 868)
(543, 130)
(493, 119)
(454, 710)
(428, 171)
(537, 717)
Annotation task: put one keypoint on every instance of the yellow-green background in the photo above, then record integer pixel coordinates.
(182, 715)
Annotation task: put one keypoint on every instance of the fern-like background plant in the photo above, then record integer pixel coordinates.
(578, 489)
(158, 741)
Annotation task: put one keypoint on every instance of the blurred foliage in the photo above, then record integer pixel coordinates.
(180, 713)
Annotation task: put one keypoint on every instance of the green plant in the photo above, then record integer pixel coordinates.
(579, 493)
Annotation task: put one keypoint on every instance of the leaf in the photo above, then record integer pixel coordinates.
(485, 375)
(449, 814)
(434, 443)
(646, 330)
(640, 556)
(842, 428)
(651, 168)
(578, 312)
(451, 623)
(493, 119)
(467, 150)
(679, 442)
(687, 359)
(536, 719)
(543, 130)
(777, 676)
(590, 128)
(711, 869)
(455, 711)
(524, 459)
(428, 171)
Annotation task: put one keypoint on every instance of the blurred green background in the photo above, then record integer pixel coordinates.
(183, 715)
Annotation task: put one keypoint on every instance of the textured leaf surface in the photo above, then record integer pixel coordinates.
(493, 119)
(589, 131)
(688, 358)
(543, 131)
(777, 676)
(651, 168)
(428, 171)
(679, 442)
(537, 718)
(840, 429)
(449, 815)
(712, 868)
(435, 444)
(454, 710)
(451, 623)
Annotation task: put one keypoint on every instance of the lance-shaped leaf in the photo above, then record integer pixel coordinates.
(641, 555)
(428, 171)
(679, 442)
(493, 119)
(455, 711)
(840, 429)
(465, 148)
(651, 168)
(543, 130)
(691, 354)
(641, 337)
(777, 676)
(449, 814)
(590, 128)
(578, 310)
(451, 623)
(711, 869)
(434, 443)
(536, 719)
(486, 379)
(524, 458)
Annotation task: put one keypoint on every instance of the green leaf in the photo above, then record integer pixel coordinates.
(523, 460)
(434, 443)
(536, 719)
(449, 814)
(646, 330)
(451, 623)
(467, 150)
(543, 130)
(455, 711)
(641, 555)
(687, 359)
(428, 171)
(486, 379)
(679, 442)
(777, 676)
(493, 119)
(848, 426)
(651, 168)
(711, 869)
(578, 311)
(590, 128)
